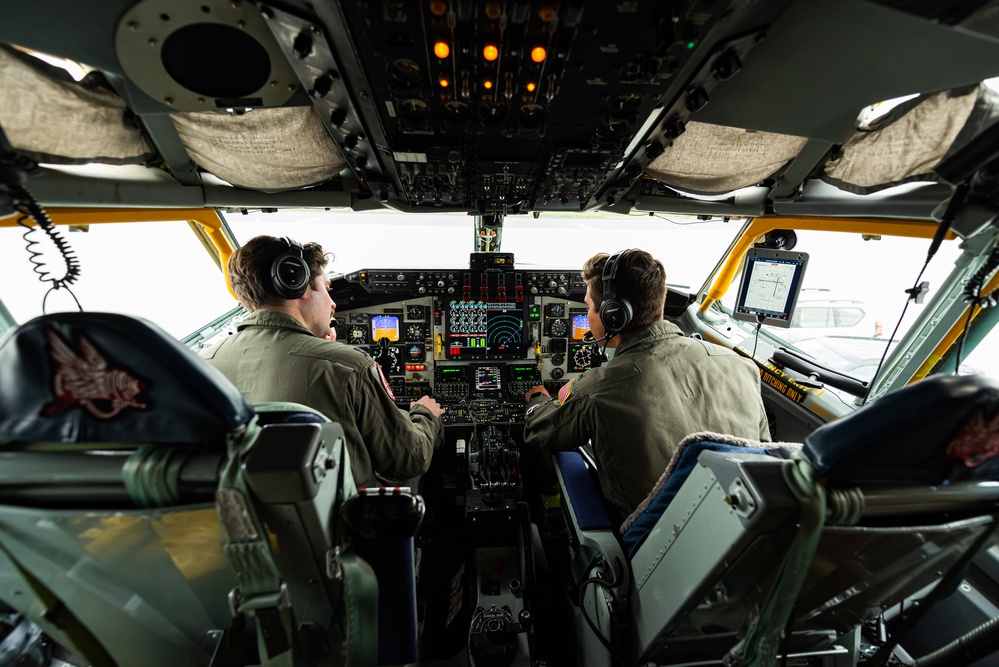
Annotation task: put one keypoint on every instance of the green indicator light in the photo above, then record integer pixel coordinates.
(691, 44)
(476, 508)
(508, 507)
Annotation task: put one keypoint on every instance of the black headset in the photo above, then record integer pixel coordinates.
(616, 312)
(290, 273)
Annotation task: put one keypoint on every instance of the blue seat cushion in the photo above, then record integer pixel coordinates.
(584, 492)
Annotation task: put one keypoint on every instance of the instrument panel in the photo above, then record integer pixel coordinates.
(475, 339)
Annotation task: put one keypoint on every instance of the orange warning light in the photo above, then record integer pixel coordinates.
(538, 54)
(531, 86)
(444, 82)
(490, 52)
(442, 50)
(487, 84)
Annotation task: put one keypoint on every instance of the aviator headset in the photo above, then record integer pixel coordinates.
(290, 272)
(616, 312)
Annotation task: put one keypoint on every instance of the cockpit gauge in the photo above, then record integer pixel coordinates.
(416, 333)
(357, 334)
(416, 313)
(557, 347)
(582, 357)
(558, 328)
(557, 373)
(405, 71)
(415, 352)
(558, 359)
(556, 310)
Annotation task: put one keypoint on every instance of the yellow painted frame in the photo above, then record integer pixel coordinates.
(906, 228)
(205, 222)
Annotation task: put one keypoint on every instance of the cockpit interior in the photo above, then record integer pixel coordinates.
(820, 178)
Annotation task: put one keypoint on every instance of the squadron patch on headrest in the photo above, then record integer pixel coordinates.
(87, 381)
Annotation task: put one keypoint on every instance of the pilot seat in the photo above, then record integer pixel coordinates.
(150, 516)
(749, 551)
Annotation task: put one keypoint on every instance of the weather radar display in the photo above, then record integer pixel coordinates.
(485, 330)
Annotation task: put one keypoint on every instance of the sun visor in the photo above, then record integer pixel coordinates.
(273, 149)
(714, 159)
(54, 119)
(906, 144)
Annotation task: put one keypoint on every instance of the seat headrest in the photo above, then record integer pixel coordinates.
(941, 428)
(102, 377)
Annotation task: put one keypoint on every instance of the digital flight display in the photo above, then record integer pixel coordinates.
(524, 374)
(488, 378)
(385, 326)
(485, 330)
(580, 325)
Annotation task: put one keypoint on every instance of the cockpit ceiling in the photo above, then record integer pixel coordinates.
(404, 104)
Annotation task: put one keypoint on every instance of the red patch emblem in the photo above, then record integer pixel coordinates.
(385, 382)
(85, 380)
(977, 442)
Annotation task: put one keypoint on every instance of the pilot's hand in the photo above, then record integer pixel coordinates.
(430, 404)
(535, 390)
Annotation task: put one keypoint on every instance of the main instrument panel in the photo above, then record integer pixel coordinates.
(476, 339)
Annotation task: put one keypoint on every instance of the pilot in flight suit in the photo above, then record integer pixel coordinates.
(280, 353)
(660, 386)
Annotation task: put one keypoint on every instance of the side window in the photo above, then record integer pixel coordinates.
(849, 317)
(814, 316)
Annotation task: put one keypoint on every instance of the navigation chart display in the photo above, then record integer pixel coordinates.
(771, 282)
(485, 330)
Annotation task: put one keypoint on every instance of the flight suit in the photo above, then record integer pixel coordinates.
(660, 387)
(272, 357)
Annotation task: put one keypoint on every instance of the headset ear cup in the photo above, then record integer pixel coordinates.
(290, 273)
(615, 315)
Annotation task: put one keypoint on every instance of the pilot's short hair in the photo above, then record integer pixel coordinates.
(250, 270)
(641, 278)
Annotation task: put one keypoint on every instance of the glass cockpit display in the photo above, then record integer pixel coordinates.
(385, 326)
(580, 325)
(485, 330)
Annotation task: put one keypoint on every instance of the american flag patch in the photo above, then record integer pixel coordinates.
(563, 393)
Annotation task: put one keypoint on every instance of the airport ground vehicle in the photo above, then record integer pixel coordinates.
(727, 110)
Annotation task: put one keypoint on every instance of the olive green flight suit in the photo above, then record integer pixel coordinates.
(660, 387)
(272, 357)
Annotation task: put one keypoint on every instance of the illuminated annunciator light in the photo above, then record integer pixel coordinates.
(538, 54)
(531, 86)
(490, 52)
(487, 84)
(444, 82)
(442, 50)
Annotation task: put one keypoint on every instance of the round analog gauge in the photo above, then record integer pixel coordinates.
(455, 109)
(557, 373)
(557, 310)
(415, 352)
(415, 333)
(582, 357)
(413, 109)
(558, 359)
(558, 328)
(415, 313)
(626, 104)
(405, 71)
(357, 334)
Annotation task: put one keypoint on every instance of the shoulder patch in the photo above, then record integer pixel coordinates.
(564, 392)
(385, 382)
